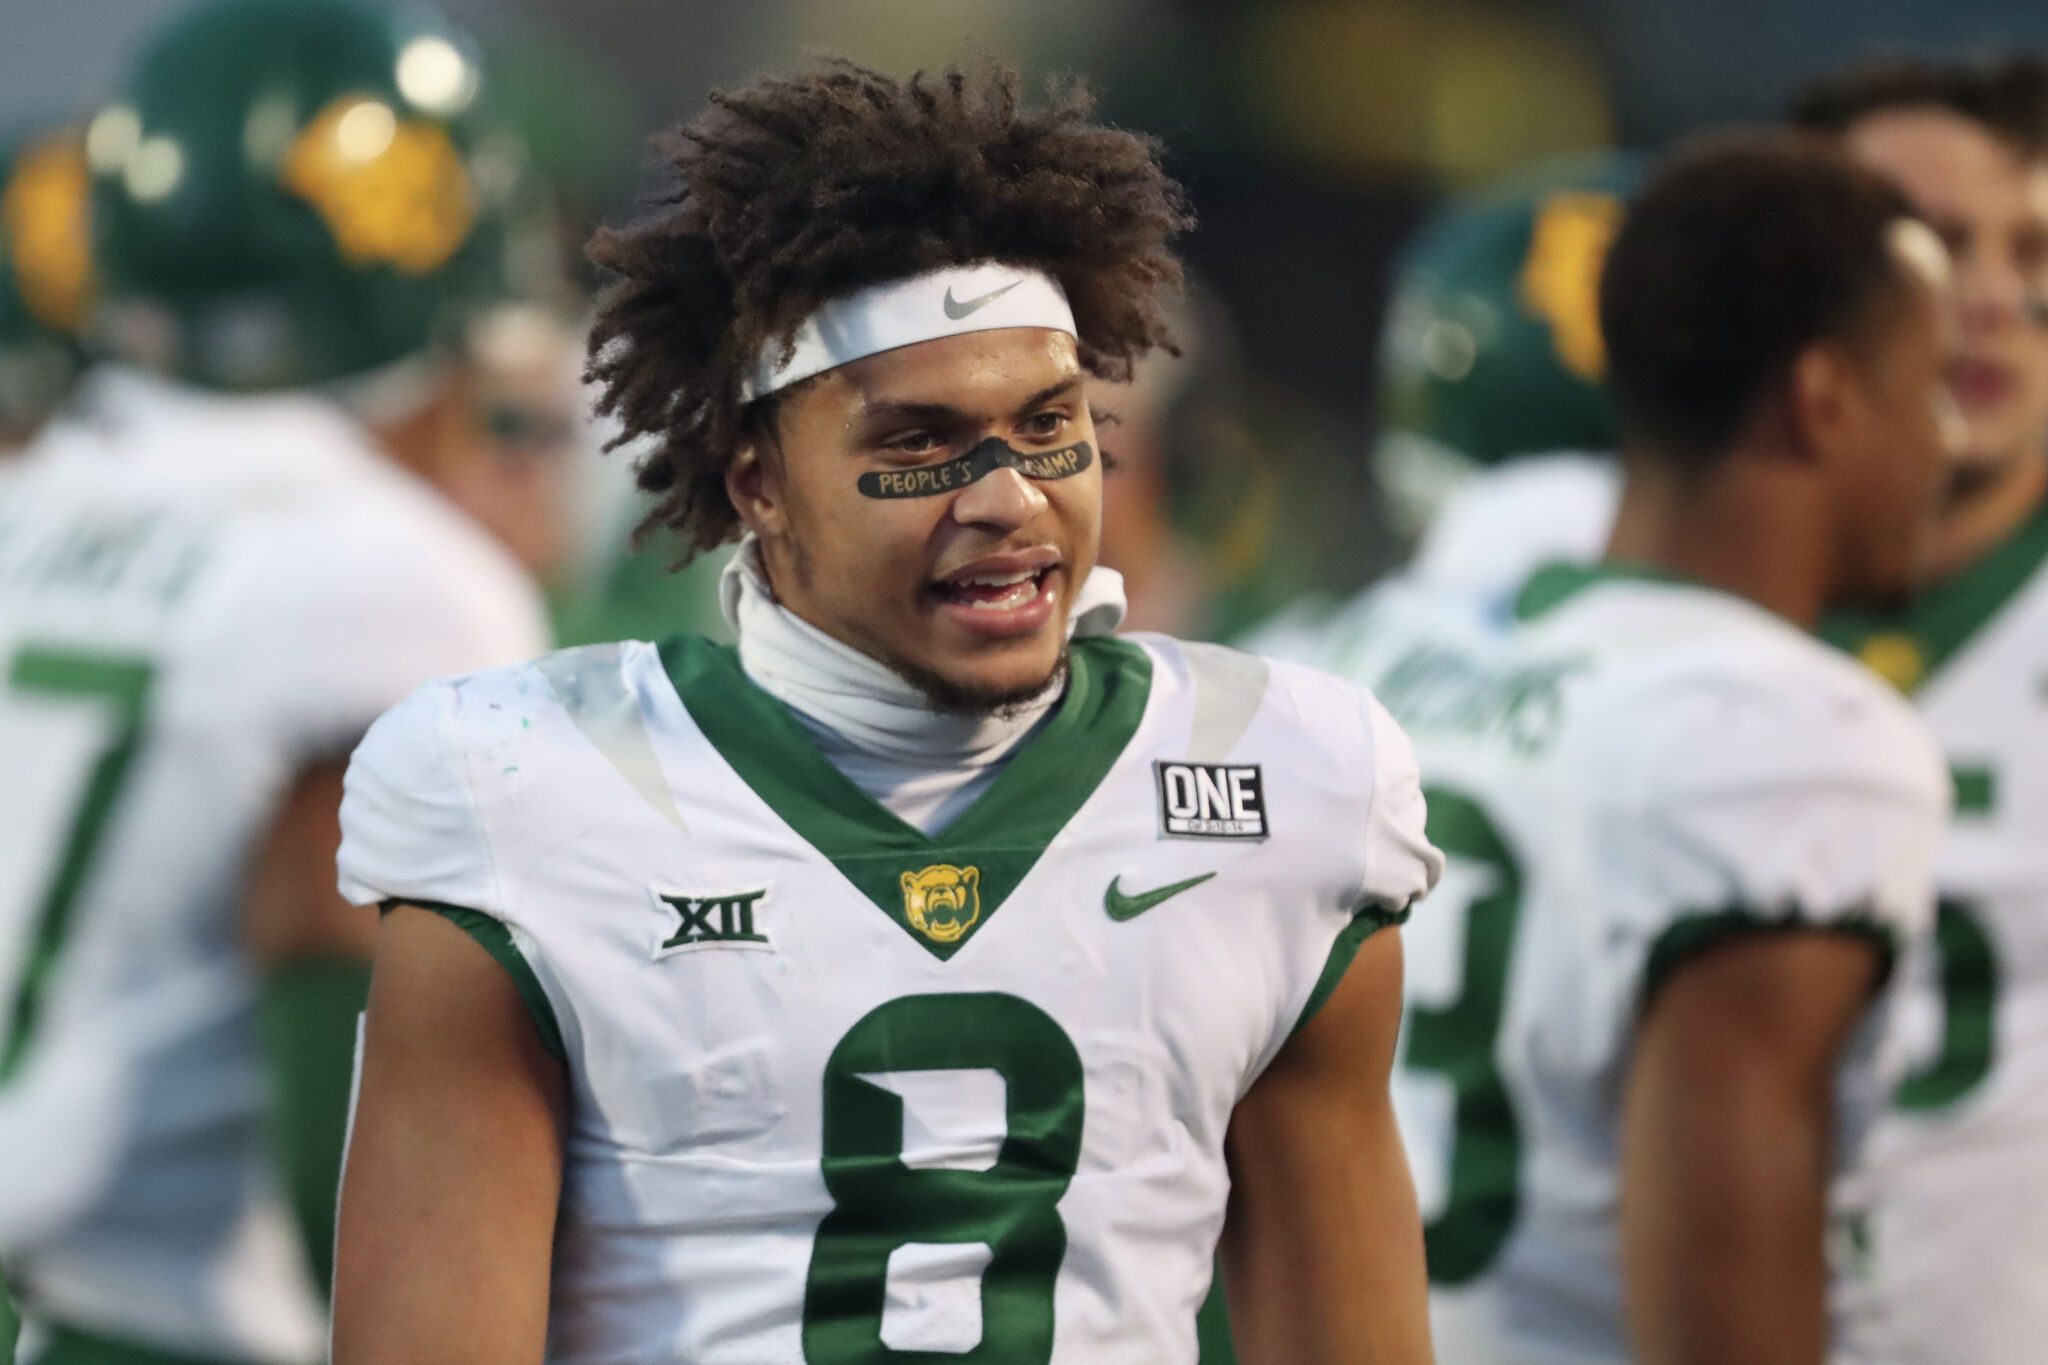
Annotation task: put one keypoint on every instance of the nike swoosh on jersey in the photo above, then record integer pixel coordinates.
(1122, 907)
(957, 310)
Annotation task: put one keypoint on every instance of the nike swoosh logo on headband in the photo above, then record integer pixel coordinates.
(957, 310)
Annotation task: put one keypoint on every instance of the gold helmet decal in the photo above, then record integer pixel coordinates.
(942, 902)
(393, 191)
(1561, 276)
(44, 224)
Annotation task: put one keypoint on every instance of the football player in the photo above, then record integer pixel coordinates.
(1961, 1235)
(923, 979)
(212, 579)
(45, 278)
(1496, 445)
(1687, 842)
(1492, 352)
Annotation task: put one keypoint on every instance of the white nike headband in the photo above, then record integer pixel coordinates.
(944, 303)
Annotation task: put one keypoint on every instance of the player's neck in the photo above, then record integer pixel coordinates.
(859, 700)
(1754, 527)
(1987, 516)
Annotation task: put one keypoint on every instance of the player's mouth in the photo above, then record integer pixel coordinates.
(1981, 382)
(1003, 595)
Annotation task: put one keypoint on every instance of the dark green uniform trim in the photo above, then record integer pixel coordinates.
(1970, 988)
(72, 1346)
(1364, 925)
(1002, 834)
(306, 1019)
(497, 941)
(1695, 933)
(1552, 585)
(124, 685)
(1949, 614)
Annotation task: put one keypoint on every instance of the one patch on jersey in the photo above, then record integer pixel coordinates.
(729, 920)
(1211, 800)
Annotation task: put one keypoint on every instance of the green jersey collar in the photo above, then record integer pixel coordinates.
(1910, 646)
(1552, 585)
(941, 888)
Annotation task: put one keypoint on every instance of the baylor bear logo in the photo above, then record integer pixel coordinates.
(942, 902)
(392, 191)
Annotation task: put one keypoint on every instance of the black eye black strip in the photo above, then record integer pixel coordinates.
(985, 459)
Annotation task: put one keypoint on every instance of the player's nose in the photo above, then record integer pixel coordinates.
(1004, 499)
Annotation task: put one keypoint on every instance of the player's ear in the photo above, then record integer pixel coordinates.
(752, 486)
(1823, 403)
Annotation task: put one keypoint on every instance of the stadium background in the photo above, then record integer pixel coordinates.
(1314, 136)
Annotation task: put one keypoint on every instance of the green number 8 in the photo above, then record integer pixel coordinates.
(1457, 1043)
(880, 1204)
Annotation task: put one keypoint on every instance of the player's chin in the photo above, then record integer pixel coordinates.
(981, 674)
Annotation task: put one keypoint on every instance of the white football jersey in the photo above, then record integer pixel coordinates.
(1961, 1237)
(198, 597)
(1495, 528)
(1505, 522)
(840, 1088)
(1629, 770)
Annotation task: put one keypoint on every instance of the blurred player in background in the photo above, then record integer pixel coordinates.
(215, 570)
(1497, 437)
(789, 1003)
(1686, 841)
(1961, 1237)
(1967, 143)
(45, 279)
(1492, 356)
(45, 292)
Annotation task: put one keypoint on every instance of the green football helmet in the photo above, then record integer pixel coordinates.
(46, 278)
(288, 192)
(1492, 346)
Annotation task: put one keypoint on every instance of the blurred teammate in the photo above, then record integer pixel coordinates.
(1497, 438)
(1961, 1238)
(1966, 141)
(1492, 354)
(45, 278)
(45, 289)
(904, 985)
(211, 580)
(1687, 842)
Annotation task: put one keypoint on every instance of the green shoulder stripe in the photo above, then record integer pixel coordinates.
(1909, 647)
(496, 940)
(1694, 933)
(940, 888)
(1363, 926)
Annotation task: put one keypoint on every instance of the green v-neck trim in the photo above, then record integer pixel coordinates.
(1554, 584)
(1908, 647)
(979, 858)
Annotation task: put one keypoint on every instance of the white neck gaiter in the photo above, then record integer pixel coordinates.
(859, 700)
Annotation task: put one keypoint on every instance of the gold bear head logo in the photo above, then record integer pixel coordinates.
(942, 902)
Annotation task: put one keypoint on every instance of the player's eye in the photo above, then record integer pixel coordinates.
(917, 443)
(1043, 426)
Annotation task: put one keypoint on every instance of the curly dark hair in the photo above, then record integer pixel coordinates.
(2007, 93)
(797, 190)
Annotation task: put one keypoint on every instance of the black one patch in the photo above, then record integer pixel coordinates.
(985, 459)
(1211, 800)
